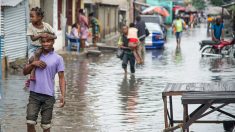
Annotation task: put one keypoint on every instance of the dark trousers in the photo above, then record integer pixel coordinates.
(128, 57)
(208, 26)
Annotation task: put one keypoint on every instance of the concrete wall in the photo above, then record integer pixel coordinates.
(48, 6)
(125, 5)
(74, 11)
(34, 3)
(51, 17)
(59, 41)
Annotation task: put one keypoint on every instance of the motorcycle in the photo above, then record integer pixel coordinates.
(217, 48)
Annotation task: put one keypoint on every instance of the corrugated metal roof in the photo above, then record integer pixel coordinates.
(10, 2)
(2, 37)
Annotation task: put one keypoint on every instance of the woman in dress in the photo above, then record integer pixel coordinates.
(84, 28)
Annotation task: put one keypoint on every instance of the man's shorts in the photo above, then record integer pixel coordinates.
(178, 35)
(40, 103)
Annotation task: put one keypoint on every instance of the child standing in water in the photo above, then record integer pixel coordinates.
(37, 29)
(133, 42)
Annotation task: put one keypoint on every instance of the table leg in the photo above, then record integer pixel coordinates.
(185, 117)
(171, 112)
(165, 111)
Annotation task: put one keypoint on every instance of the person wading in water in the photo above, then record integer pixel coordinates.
(42, 93)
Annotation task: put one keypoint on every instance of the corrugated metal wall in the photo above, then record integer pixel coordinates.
(2, 36)
(15, 45)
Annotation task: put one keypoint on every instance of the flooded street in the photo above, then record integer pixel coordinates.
(100, 98)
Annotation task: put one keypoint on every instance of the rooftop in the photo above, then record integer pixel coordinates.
(10, 2)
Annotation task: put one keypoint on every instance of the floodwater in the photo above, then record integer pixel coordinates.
(101, 99)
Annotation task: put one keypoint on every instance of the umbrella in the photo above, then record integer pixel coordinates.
(179, 8)
(156, 9)
(217, 11)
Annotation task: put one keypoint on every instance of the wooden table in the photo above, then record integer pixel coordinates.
(178, 89)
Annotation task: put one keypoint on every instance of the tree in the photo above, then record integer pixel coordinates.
(199, 4)
(186, 2)
(232, 8)
(217, 2)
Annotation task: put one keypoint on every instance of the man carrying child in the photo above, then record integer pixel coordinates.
(128, 55)
(42, 93)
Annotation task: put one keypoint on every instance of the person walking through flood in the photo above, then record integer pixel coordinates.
(42, 92)
(178, 26)
(128, 55)
(140, 25)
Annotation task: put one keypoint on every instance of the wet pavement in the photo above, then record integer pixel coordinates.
(100, 98)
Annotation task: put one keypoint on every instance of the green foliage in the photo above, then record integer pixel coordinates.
(232, 8)
(199, 4)
(217, 2)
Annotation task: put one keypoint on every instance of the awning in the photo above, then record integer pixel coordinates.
(179, 8)
(10, 2)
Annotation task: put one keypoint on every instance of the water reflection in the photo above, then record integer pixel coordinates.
(221, 67)
(129, 92)
(157, 54)
(218, 64)
(76, 113)
(100, 98)
(178, 55)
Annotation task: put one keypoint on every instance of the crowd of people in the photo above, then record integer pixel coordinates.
(44, 63)
(192, 18)
(80, 29)
(132, 39)
(215, 26)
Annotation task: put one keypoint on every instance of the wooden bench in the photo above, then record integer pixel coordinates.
(206, 99)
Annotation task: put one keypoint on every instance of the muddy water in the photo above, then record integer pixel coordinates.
(100, 98)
